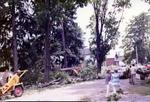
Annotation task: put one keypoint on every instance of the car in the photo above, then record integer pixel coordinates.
(147, 67)
(143, 71)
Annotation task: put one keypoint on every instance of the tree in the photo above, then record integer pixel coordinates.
(46, 42)
(148, 1)
(38, 34)
(11, 29)
(4, 36)
(67, 12)
(15, 53)
(104, 26)
(137, 37)
(49, 19)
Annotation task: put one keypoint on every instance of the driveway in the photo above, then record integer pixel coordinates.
(90, 90)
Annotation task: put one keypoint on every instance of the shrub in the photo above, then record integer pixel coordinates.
(88, 73)
(32, 77)
(63, 77)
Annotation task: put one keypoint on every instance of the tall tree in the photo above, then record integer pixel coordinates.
(43, 11)
(67, 11)
(15, 54)
(58, 10)
(137, 38)
(4, 36)
(16, 26)
(104, 26)
(46, 42)
(37, 39)
(64, 44)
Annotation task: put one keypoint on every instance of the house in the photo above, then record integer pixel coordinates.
(112, 59)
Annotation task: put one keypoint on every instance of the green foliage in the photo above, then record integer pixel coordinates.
(104, 26)
(62, 77)
(113, 97)
(148, 1)
(88, 73)
(32, 77)
(73, 43)
(137, 36)
(122, 3)
(31, 18)
(24, 27)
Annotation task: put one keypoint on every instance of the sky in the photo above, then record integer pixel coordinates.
(84, 14)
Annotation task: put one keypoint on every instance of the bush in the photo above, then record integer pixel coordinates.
(32, 77)
(88, 73)
(63, 77)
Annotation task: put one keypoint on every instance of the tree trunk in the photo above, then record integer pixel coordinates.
(46, 58)
(46, 47)
(97, 43)
(15, 54)
(64, 45)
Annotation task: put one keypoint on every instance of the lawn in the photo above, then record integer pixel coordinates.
(143, 89)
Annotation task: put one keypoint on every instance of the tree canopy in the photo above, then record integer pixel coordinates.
(104, 25)
(137, 36)
(38, 26)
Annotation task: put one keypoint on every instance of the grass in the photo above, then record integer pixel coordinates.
(142, 90)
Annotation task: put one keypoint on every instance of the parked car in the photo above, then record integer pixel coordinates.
(144, 71)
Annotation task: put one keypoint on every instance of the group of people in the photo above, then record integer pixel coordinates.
(112, 79)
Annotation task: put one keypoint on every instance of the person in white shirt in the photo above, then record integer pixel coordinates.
(133, 74)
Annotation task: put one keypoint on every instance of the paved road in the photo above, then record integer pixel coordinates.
(93, 89)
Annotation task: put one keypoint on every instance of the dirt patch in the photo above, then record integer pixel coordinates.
(86, 98)
(92, 91)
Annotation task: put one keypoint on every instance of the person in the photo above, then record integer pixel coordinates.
(7, 74)
(133, 74)
(129, 74)
(107, 81)
(115, 81)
